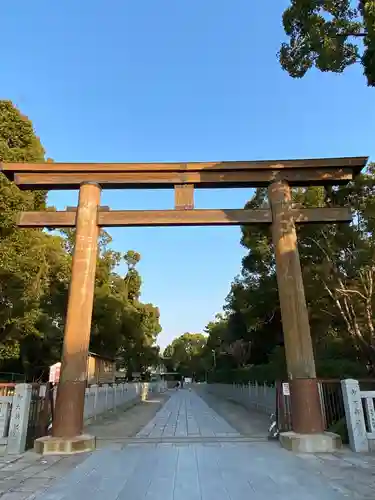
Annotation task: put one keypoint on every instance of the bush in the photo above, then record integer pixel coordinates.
(262, 374)
(270, 372)
(340, 368)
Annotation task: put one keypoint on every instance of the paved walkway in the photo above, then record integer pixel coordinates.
(189, 452)
(185, 415)
(24, 476)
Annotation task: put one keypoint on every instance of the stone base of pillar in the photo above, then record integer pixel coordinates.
(49, 445)
(326, 442)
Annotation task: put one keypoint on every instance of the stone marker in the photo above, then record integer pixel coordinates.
(355, 418)
(19, 420)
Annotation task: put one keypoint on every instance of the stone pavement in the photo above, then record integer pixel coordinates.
(189, 452)
(25, 476)
(185, 415)
(114, 429)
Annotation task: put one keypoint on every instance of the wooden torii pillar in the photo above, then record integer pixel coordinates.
(70, 399)
(306, 410)
(278, 176)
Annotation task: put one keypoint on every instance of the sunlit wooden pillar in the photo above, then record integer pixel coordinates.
(68, 419)
(306, 407)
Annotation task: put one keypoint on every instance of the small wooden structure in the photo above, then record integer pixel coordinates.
(279, 176)
(100, 370)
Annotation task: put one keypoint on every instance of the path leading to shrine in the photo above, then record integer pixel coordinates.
(190, 452)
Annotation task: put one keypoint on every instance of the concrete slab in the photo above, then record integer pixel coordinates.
(49, 445)
(326, 442)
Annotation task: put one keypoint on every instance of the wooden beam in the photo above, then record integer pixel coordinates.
(163, 180)
(46, 219)
(102, 208)
(121, 218)
(321, 215)
(184, 217)
(354, 163)
(184, 197)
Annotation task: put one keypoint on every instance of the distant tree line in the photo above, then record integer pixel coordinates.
(245, 342)
(35, 273)
(338, 264)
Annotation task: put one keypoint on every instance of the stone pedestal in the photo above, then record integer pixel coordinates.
(326, 442)
(50, 445)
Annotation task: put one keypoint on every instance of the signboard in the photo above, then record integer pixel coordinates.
(54, 373)
(286, 389)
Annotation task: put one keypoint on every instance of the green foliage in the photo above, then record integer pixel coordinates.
(186, 355)
(338, 265)
(132, 258)
(330, 35)
(262, 374)
(28, 258)
(133, 281)
(35, 274)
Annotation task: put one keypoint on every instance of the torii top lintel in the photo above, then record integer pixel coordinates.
(224, 174)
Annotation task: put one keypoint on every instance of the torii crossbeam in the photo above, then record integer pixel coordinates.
(89, 216)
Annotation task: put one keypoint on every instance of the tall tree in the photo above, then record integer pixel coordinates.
(338, 265)
(330, 35)
(185, 354)
(35, 273)
(141, 324)
(132, 279)
(28, 258)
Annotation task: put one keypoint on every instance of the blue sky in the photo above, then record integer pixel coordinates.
(174, 80)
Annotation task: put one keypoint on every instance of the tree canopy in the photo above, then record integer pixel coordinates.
(35, 273)
(330, 35)
(186, 355)
(338, 264)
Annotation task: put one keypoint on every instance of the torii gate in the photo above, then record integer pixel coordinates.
(88, 217)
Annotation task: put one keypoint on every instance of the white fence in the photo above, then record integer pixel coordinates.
(360, 416)
(251, 396)
(21, 404)
(104, 398)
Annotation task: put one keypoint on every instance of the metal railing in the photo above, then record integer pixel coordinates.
(331, 399)
(271, 399)
(35, 414)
